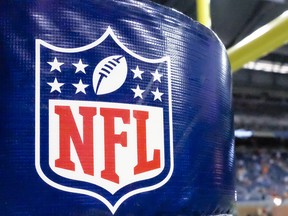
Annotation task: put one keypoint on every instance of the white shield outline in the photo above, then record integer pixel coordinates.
(108, 32)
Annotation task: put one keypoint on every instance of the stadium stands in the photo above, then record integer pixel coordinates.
(262, 173)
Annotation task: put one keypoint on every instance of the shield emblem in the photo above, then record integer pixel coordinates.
(103, 120)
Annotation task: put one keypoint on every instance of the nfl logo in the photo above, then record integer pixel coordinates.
(103, 120)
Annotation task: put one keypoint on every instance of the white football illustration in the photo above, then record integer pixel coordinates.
(109, 74)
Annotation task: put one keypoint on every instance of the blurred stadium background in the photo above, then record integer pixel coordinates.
(260, 97)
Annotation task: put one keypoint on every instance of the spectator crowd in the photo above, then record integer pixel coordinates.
(261, 173)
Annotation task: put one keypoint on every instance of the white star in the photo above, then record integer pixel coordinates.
(80, 87)
(55, 86)
(157, 76)
(138, 92)
(137, 73)
(80, 66)
(157, 94)
(55, 65)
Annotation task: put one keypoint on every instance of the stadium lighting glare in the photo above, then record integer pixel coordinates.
(277, 201)
(242, 133)
(267, 66)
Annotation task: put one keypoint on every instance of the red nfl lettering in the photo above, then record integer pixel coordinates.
(110, 139)
(144, 165)
(68, 129)
(69, 135)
